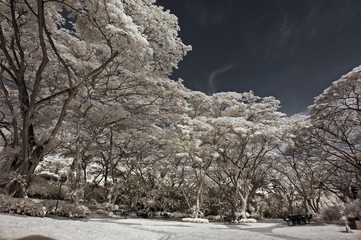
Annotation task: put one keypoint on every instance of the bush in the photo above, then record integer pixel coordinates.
(67, 210)
(331, 213)
(179, 215)
(40, 188)
(22, 206)
(353, 209)
(44, 192)
(39, 208)
(213, 209)
(96, 193)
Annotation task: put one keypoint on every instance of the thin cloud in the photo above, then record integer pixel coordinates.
(207, 13)
(212, 77)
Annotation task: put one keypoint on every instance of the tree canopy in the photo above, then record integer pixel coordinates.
(89, 81)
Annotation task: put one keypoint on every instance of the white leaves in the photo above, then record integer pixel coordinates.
(114, 29)
(120, 23)
(182, 155)
(197, 160)
(343, 93)
(336, 118)
(240, 130)
(160, 28)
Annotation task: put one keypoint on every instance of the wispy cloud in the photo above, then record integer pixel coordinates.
(208, 13)
(212, 77)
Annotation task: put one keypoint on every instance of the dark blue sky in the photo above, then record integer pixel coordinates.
(290, 49)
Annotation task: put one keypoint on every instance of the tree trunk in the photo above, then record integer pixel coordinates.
(185, 197)
(78, 184)
(244, 202)
(113, 194)
(30, 156)
(305, 205)
(106, 171)
(109, 165)
(290, 205)
(199, 194)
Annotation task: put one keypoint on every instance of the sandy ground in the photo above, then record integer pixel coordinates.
(15, 226)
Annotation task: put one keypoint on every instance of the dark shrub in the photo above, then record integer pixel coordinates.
(43, 189)
(96, 193)
(331, 214)
(353, 209)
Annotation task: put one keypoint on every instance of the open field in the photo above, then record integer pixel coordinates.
(16, 226)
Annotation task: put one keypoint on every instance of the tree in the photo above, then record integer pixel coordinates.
(247, 131)
(303, 169)
(105, 134)
(53, 52)
(336, 116)
(196, 152)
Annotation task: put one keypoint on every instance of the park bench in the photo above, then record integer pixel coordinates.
(300, 219)
(121, 213)
(165, 214)
(229, 218)
(143, 214)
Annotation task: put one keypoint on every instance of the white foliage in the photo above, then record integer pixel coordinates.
(195, 220)
(198, 159)
(182, 155)
(247, 220)
(342, 93)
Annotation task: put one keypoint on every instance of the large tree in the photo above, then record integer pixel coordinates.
(196, 148)
(336, 116)
(53, 52)
(303, 170)
(246, 132)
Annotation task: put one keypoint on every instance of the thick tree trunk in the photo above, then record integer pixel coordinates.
(113, 194)
(27, 139)
(30, 156)
(199, 194)
(305, 205)
(290, 206)
(244, 202)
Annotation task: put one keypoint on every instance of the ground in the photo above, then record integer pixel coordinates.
(15, 226)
